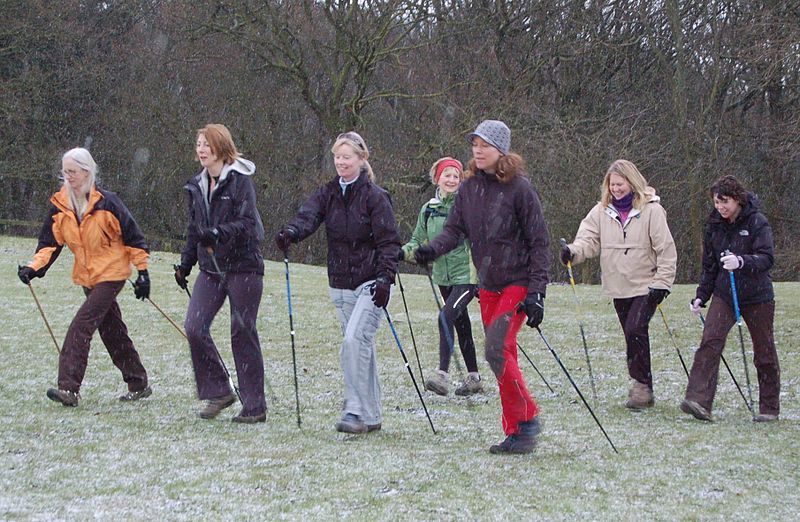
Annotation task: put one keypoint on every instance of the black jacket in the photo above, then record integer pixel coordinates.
(750, 236)
(232, 211)
(505, 224)
(361, 230)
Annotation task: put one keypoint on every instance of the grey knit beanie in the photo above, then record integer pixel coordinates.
(495, 133)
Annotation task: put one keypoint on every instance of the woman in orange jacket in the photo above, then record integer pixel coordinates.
(105, 240)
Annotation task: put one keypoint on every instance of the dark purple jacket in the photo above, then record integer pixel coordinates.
(361, 230)
(505, 224)
(232, 211)
(750, 236)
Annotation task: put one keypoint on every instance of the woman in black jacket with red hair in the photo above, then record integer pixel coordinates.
(738, 240)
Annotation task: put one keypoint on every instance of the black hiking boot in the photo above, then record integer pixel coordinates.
(67, 398)
(214, 406)
(135, 396)
(524, 441)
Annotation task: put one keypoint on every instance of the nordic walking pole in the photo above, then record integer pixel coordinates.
(450, 341)
(180, 330)
(410, 329)
(535, 368)
(564, 369)
(730, 372)
(580, 321)
(741, 337)
(46, 323)
(291, 333)
(674, 342)
(408, 367)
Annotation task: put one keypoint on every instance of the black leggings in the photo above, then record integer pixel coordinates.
(454, 313)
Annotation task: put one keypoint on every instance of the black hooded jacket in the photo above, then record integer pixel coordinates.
(750, 237)
(361, 229)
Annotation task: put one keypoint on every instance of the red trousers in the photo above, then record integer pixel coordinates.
(502, 322)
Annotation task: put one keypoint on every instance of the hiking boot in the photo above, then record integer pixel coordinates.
(471, 385)
(438, 383)
(524, 441)
(67, 398)
(214, 406)
(640, 397)
(135, 396)
(351, 423)
(250, 419)
(373, 427)
(693, 408)
(765, 417)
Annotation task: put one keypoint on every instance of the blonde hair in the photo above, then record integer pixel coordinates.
(508, 167)
(357, 143)
(220, 142)
(627, 170)
(79, 201)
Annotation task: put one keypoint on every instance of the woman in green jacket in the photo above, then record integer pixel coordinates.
(454, 274)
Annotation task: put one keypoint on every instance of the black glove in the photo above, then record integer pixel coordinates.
(566, 255)
(425, 254)
(381, 291)
(656, 295)
(285, 237)
(209, 237)
(534, 309)
(141, 288)
(181, 274)
(26, 273)
(401, 255)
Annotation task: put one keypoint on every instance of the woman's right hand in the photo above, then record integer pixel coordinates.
(566, 255)
(25, 274)
(180, 276)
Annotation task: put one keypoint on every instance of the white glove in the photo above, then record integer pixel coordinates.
(731, 262)
(695, 306)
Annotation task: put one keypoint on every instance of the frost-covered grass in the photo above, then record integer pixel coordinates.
(156, 459)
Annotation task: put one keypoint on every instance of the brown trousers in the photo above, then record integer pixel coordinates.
(100, 312)
(705, 370)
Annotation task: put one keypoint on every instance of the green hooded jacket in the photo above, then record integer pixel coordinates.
(454, 267)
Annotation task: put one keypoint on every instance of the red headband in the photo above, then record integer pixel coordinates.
(444, 164)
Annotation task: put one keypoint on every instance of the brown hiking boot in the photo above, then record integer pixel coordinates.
(438, 383)
(214, 406)
(250, 419)
(693, 408)
(640, 397)
(471, 385)
(67, 398)
(135, 396)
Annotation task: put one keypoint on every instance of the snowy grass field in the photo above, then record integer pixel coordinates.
(156, 460)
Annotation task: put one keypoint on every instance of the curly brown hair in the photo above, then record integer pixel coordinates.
(729, 187)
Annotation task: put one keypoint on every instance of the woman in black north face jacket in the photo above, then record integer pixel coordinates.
(363, 246)
(738, 242)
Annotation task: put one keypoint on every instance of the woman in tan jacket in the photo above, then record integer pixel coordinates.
(628, 229)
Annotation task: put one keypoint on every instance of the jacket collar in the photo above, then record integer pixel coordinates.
(61, 199)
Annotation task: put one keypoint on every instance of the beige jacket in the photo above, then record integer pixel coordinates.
(634, 256)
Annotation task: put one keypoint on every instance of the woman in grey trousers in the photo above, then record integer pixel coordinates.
(363, 246)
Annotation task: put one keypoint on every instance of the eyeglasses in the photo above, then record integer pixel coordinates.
(71, 174)
(355, 138)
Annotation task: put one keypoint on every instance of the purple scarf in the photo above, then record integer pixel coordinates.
(623, 206)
